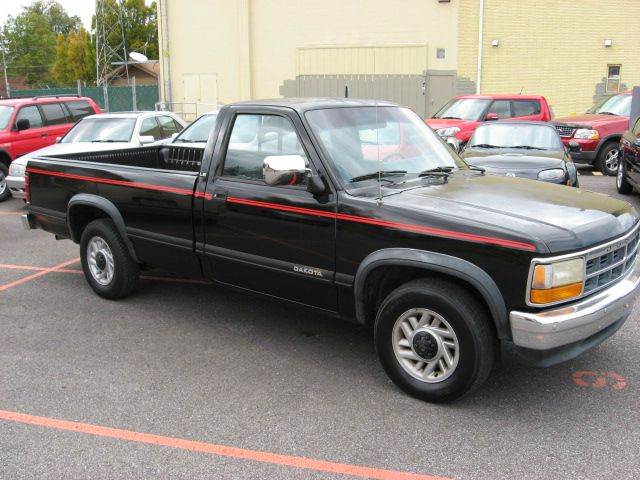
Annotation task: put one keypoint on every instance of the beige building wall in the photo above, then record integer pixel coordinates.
(550, 48)
(251, 47)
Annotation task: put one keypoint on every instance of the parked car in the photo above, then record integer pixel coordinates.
(447, 264)
(195, 134)
(628, 175)
(463, 114)
(105, 131)
(29, 124)
(521, 149)
(598, 132)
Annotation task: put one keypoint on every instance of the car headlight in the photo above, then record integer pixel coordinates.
(448, 132)
(17, 170)
(551, 174)
(556, 282)
(586, 134)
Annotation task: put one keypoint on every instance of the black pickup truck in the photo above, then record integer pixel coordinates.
(357, 209)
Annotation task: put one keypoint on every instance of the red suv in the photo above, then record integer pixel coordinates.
(595, 136)
(28, 124)
(461, 115)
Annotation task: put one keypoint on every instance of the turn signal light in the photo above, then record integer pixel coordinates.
(556, 294)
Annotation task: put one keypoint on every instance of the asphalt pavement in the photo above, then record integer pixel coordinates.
(185, 380)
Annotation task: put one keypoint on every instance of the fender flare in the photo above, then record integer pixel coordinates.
(109, 209)
(608, 138)
(436, 262)
(3, 153)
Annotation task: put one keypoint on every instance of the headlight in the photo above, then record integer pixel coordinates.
(552, 174)
(448, 132)
(17, 170)
(556, 282)
(587, 134)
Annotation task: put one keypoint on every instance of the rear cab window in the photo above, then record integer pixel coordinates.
(31, 113)
(525, 108)
(54, 114)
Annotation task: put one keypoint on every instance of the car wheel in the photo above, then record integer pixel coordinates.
(622, 184)
(106, 262)
(607, 161)
(434, 340)
(4, 188)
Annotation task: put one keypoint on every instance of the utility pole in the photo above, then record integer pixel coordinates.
(4, 67)
(110, 54)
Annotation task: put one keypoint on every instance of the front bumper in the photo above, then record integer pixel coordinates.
(588, 149)
(16, 186)
(578, 323)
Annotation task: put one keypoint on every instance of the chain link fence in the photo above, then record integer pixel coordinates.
(110, 98)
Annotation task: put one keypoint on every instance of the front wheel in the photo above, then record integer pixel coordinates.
(106, 262)
(607, 161)
(434, 340)
(622, 184)
(4, 188)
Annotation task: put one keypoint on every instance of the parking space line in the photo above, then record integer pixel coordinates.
(214, 449)
(39, 274)
(599, 174)
(10, 213)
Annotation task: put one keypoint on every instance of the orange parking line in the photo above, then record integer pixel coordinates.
(21, 267)
(39, 274)
(213, 449)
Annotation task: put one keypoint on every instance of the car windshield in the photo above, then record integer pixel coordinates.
(101, 130)
(463, 109)
(5, 116)
(616, 105)
(361, 141)
(198, 131)
(496, 135)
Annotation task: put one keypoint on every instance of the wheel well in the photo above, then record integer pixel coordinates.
(5, 159)
(381, 281)
(612, 139)
(80, 216)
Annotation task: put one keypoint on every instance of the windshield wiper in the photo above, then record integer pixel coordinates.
(606, 113)
(436, 171)
(477, 169)
(374, 175)
(183, 140)
(105, 141)
(450, 118)
(528, 147)
(484, 145)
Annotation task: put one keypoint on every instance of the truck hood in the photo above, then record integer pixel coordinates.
(60, 148)
(591, 120)
(555, 218)
(509, 159)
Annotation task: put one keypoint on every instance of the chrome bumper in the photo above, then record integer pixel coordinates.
(574, 322)
(16, 186)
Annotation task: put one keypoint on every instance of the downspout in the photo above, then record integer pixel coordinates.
(480, 38)
(164, 52)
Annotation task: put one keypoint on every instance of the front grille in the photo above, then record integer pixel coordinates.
(610, 263)
(565, 131)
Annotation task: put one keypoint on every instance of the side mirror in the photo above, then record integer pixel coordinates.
(491, 117)
(23, 124)
(574, 146)
(283, 169)
(454, 144)
(146, 139)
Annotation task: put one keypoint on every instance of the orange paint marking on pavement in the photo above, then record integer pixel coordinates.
(38, 274)
(8, 266)
(597, 379)
(213, 449)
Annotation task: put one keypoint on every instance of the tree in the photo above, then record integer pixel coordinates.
(75, 59)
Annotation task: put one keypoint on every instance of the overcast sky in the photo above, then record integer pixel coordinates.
(82, 8)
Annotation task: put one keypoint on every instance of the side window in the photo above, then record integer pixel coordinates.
(636, 128)
(32, 114)
(255, 137)
(79, 109)
(150, 127)
(525, 108)
(168, 126)
(502, 108)
(54, 114)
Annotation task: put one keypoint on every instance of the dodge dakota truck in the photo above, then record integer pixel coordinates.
(357, 209)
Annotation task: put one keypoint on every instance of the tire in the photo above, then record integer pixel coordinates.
(462, 314)
(622, 184)
(608, 158)
(4, 188)
(115, 277)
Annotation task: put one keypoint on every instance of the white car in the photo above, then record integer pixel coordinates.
(104, 131)
(196, 134)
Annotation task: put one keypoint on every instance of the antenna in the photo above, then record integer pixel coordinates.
(379, 201)
(110, 44)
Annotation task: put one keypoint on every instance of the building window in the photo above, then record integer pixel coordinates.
(613, 78)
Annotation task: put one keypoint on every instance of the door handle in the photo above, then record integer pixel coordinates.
(44, 134)
(220, 195)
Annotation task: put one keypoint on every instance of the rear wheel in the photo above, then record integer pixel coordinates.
(607, 161)
(4, 189)
(106, 262)
(434, 340)
(622, 184)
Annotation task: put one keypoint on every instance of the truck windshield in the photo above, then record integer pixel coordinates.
(616, 105)
(101, 130)
(361, 141)
(5, 116)
(496, 135)
(198, 131)
(463, 109)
